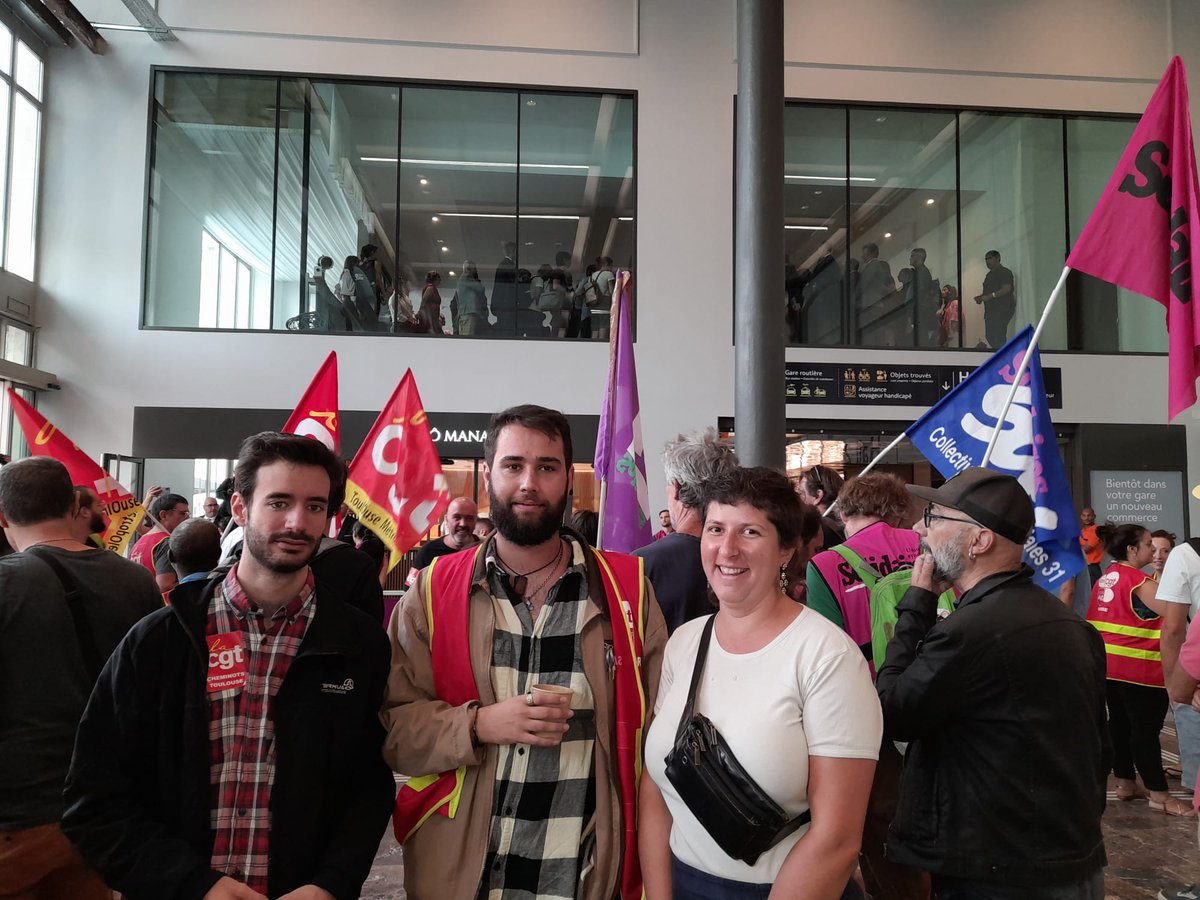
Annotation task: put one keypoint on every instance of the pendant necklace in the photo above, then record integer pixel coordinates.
(520, 580)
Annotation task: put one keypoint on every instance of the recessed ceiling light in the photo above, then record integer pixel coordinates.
(529, 243)
(445, 249)
(818, 193)
(929, 202)
(531, 103)
(451, 273)
(805, 206)
(433, 218)
(881, 118)
(424, 181)
(887, 234)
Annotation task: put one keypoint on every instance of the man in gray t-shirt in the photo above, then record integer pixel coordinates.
(64, 607)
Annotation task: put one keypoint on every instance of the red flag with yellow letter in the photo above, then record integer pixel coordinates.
(396, 486)
(316, 414)
(122, 510)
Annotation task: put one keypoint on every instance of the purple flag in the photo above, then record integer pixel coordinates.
(620, 459)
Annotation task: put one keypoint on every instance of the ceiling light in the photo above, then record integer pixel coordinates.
(881, 118)
(531, 103)
(861, 178)
(433, 218)
(818, 193)
(455, 215)
(887, 234)
(451, 273)
(806, 227)
(445, 249)
(473, 164)
(424, 181)
(929, 202)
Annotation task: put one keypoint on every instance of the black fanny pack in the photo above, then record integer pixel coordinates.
(738, 814)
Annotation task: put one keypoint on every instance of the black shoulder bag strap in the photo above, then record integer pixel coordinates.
(697, 671)
(88, 651)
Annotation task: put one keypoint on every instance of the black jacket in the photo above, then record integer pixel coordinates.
(137, 794)
(1003, 701)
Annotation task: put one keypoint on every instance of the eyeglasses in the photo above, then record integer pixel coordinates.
(930, 515)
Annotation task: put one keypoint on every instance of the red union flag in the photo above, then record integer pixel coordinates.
(396, 486)
(316, 414)
(122, 510)
(1141, 234)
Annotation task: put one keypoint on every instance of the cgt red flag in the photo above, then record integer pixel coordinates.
(316, 414)
(1141, 235)
(396, 486)
(122, 510)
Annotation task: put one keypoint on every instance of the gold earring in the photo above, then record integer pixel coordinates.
(971, 555)
(783, 580)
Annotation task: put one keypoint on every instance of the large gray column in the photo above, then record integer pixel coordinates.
(759, 411)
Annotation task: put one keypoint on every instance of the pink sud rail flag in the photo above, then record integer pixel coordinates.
(1141, 235)
(620, 459)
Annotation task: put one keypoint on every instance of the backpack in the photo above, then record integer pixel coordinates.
(885, 594)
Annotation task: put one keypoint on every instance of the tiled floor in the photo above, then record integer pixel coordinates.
(1147, 851)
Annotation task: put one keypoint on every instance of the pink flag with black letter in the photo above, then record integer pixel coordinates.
(1140, 234)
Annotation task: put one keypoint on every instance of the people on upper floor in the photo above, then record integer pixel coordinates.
(673, 563)
(999, 299)
(533, 723)
(790, 697)
(970, 693)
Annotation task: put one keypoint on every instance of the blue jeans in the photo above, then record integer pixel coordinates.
(692, 884)
(1091, 888)
(1187, 727)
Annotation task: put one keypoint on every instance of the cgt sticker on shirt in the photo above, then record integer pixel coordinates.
(226, 662)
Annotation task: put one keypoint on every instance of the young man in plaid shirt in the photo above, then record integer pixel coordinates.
(231, 749)
(517, 794)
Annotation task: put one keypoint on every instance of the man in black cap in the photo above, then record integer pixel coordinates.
(1003, 703)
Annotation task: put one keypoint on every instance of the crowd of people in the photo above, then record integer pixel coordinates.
(365, 295)
(815, 688)
(865, 304)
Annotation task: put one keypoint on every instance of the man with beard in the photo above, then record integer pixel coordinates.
(89, 515)
(525, 738)
(1003, 703)
(231, 748)
(458, 531)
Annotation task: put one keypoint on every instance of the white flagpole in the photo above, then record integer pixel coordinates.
(1024, 367)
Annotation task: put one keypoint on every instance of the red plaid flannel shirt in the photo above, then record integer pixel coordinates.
(241, 733)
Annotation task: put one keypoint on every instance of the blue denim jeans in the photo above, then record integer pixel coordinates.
(1187, 727)
(1091, 888)
(692, 884)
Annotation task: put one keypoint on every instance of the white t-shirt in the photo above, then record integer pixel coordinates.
(808, 692)
(1180, 581)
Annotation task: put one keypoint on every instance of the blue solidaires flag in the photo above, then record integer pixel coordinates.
(954, 435)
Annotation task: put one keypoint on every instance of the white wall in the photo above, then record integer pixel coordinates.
(1101, 55)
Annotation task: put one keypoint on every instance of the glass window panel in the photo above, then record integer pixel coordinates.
(17, 345)
(1104, 317)
(214, 170)
(22, 195)
(814, 215)
(1011, 201)
(287, 281)
(227, 291)
(6, 49)
(5, 98)
(29, 70)
(210, 268)
(242, 300)
(576, 201)
(458, 200)
(902, 198)
(352, 172)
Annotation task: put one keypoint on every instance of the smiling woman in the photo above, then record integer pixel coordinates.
(794, 737)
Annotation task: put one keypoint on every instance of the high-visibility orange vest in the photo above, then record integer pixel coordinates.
(447, 593)
(1131, 642)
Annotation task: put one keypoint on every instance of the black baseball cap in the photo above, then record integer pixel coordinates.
(994, 500)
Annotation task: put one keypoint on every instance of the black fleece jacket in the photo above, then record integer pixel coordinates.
(137, 794)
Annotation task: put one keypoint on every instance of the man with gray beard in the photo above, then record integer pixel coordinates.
(1003, 705)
